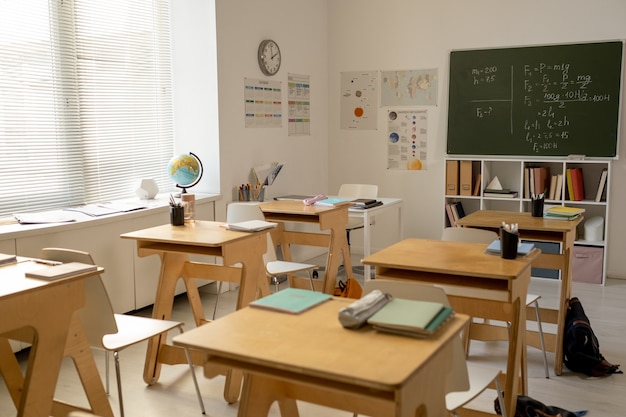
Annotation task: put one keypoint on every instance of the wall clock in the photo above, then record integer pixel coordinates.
(269, 57)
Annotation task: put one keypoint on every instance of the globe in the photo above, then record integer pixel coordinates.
(185, 170)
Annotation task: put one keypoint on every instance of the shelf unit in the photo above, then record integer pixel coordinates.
(510, 173)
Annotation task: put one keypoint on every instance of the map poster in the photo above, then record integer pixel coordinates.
(299, 104)
(407, 139)
(359, 100)
(409, 88)
(263, 103)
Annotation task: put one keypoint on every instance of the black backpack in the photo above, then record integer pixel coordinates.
(581, 350)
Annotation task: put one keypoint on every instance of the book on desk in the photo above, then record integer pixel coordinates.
(65, 270)
(291, 300)
(411, 317)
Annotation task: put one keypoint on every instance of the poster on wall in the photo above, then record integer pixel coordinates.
(299, 104)
(409, 88)
(407, 139)
(263, 103)
(359, 100)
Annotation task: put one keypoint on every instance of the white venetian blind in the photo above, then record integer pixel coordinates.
(85, 100)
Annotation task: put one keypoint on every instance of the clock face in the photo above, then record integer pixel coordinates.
(269, 57)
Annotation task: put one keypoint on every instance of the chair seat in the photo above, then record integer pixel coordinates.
(135, 329)
(482, 376)
(283, 267)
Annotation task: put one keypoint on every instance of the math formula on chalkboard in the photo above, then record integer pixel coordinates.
(536, 101)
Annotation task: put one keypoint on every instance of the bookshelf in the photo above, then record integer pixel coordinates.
(514, 173)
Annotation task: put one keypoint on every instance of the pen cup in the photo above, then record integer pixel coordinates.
(177, 215)
(536, 207)
(508, 244)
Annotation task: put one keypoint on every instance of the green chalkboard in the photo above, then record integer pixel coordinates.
(552, 100)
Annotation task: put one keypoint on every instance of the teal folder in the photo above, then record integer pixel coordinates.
(411, 317)
(291, 300)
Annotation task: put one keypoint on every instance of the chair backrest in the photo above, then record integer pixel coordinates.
(468, 234)
(243, 211)
(358, 190)
(97, 314)
(458, 379)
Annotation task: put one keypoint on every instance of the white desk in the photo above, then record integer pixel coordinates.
(366, 215)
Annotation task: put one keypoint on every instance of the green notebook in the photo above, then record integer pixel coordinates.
(411, 317)
(291, 300)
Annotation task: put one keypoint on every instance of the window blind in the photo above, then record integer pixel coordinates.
(85, 101)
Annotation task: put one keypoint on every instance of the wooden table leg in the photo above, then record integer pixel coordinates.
(172, 265)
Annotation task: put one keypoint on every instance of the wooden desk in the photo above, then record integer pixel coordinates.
(174, 244)
(362, 371)
(45, 313)
(477, 284)
(537, 228)
(333, 219)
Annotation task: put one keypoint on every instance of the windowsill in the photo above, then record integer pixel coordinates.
(11, 229)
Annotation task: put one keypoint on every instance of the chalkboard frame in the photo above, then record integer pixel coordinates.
(578, 116)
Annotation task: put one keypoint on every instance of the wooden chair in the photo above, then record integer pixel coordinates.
(466, 381)
(114, 332)
(469, 234)
(274, 268)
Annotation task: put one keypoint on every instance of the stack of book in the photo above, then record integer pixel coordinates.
(563, 213)
(411, 317)
(495, 189)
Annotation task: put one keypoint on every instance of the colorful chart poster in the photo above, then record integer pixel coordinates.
(409, 87)
(299, 104)
(407, 139)
(359, 100)
(263, 103)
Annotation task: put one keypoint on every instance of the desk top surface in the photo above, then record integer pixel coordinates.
(198, 233)
(494, 218)
(452, 258)
(314, 344)
(14, 282)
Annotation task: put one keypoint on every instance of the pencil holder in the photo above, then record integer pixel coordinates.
(536, 207)
(177, 215)
(508, 244)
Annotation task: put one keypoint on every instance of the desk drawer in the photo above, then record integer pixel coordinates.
(587, 264)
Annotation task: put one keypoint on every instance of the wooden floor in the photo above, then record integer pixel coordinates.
(174, 394)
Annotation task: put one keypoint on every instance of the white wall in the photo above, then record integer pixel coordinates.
(410, 34)
(299, 28)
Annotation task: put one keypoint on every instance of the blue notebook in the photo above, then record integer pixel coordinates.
(523, 248)
(291, 300)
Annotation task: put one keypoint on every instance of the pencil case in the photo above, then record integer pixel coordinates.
(356, 314)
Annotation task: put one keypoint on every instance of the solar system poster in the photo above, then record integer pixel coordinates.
(359, 100)
(407, 139)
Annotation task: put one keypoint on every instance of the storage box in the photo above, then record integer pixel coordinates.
(587, 264)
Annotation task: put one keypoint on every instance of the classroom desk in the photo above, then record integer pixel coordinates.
(45, 313)
(538, 228)
(389, 205)
(333, 219)
(477, 284)
(174, 244)
(310, 357)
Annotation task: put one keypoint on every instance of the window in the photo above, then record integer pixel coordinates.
(85, 101)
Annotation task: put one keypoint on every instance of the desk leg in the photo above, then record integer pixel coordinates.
(515, 357)
(259, 393)
(566, 293)
(337, 249)
(10, 370)
(172, 265)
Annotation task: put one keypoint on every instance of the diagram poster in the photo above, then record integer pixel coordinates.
(299, 104)
(359, 100)
(407, 139)
(263, 103)
(409, 88)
